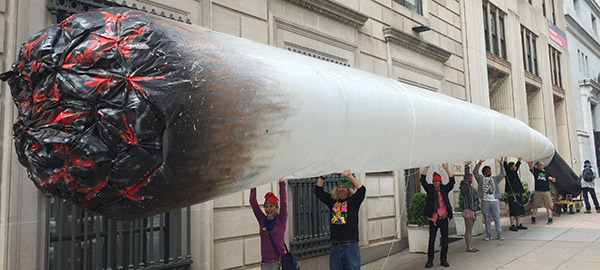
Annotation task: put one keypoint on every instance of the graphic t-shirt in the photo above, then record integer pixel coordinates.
(339, 212)
(344, 214)
(488, 189)
(541, 180)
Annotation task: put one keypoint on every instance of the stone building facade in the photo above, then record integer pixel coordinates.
(584, 49)
(519, 67)
(439, 45)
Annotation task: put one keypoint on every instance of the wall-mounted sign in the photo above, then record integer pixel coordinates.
(557, 35)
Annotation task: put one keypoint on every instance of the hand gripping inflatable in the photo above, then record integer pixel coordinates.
(131, 114)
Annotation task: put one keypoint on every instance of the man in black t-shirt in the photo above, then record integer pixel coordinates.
(343, 202)
(542, 194)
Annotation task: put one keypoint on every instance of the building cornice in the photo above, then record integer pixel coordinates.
(593, 84)
(582, 35)
(415, 44)
(335, 11)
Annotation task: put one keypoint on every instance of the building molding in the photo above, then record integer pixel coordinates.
(582, 35)
(335, 11)
(314, 34)
(406, 40)
(417, 69)
(312, 52)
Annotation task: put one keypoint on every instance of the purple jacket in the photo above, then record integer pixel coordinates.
(278, 232)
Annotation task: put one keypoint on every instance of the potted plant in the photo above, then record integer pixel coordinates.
(459, 221)
(418, 228)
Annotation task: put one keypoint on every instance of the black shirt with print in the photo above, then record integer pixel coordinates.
(541, 179)
(343, 224)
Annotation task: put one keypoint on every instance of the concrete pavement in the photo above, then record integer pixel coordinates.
(572, 242)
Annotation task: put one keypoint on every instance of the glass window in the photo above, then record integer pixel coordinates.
(486, 28)
(544, 7)
(523, 48)
(535, 62)
(494, 33)
(502, 38)
(529, 65)
(414, 5)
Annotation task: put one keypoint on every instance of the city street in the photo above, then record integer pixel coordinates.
(572, 242)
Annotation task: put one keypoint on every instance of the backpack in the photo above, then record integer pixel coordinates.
(588, 174)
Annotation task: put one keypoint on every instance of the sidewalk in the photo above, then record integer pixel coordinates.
(572, 242)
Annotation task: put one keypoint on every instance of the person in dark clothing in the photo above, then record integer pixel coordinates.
(469, 206)
(514, 190)
(343, 202)
(542, 194)
(438, 211)
(587, 186)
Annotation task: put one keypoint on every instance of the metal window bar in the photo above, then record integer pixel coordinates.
(79, 240)
(311, 217)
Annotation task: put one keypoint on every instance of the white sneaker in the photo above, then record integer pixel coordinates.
(500, 238)
(488, 238)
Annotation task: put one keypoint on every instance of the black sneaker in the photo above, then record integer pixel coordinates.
(549, 221)
(429, 264)
(532, 220)
(521, 227)
(513, 228)
(444, 263)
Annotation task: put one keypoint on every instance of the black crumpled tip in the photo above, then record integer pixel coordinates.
(87, 127)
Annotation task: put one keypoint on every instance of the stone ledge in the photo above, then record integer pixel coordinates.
(335, 11)
(404, 39)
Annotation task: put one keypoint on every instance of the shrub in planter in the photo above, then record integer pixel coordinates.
(417, 209)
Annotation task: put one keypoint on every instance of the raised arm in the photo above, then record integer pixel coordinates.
(451, 180)
(518, 164)
(283, 212)
(322, 195)
(357, 184)
(255, 207)
(502, 174)
(423, 179)
(476, 174)
(467, 170)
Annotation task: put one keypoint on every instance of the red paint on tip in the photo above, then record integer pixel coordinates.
(101, 81)
(130, 192)
(131, 82)
(29, 45)
(91, 192)
(128, 132)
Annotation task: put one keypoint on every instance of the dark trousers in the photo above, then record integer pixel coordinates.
(443, 226)
(594, 199)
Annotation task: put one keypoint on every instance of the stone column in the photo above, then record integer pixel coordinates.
(22, 216)
(202, 236)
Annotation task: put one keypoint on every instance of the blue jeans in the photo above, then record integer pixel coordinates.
(344, 257)
(491, 208)
(594, 199)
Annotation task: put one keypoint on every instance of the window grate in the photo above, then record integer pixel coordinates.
(78, 239)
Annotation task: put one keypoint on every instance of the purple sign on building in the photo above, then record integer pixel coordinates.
(557, 35)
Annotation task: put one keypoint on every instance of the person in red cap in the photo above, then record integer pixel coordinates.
(438, 211)
(272, 222)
